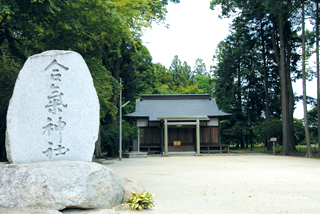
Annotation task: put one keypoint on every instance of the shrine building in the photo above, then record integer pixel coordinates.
(179, 123)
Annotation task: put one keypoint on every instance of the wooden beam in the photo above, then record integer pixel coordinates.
(181, 123)
(182, 117)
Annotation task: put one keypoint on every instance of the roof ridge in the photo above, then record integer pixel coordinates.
(174, 96)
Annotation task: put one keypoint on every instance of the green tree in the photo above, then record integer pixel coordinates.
(313, 12)
(103, 32)
(205, 83)
(306, 127)
(238, 82)
(280, 14)
(199, 68)
(202, 78)
(313, 124)
(317, 63)
(181, 73)
(164, 80)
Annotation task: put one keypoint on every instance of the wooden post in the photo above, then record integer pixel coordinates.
(120, 122)
(165, 137)
(162, 137)
(138, 140)
(273, 139)
(274, 148)
(198, 136)
(166, 124)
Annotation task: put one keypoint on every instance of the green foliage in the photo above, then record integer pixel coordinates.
(140, 202)
(103, 32)
(180, 79)
(205, 83)
(108, 35)
(272, 41)
(247, 76)
(9, 68)
(313, 124)
(199, 68)
(299, 132)
(239, 84)
(192, 89)
(273, 126)
(110, 137)
(181, 73)
(105, 85)
(129, 133)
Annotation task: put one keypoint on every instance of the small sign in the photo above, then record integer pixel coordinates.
(273, 139)
(177, 143)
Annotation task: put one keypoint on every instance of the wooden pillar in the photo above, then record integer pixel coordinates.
(198, 136)
(165, 137)
(162, 138)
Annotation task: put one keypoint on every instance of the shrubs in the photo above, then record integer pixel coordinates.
(140, 202)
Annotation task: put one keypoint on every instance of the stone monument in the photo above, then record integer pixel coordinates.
(54, 110)
(52, 127)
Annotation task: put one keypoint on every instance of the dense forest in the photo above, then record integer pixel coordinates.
(251, 76)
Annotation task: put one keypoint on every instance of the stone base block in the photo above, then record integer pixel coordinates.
(135, 154)
(59, 185)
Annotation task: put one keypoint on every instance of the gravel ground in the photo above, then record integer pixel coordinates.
(226, 183)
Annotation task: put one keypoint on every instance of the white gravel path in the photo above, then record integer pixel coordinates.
(227, 184)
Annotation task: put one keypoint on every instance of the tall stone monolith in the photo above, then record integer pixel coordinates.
(53, 114)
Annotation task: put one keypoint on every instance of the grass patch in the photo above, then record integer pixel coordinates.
(301, 150)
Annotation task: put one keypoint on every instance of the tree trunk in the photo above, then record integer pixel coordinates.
(247, 145)
(285, 83)
(242, 141)
(116, 75)
(97, 150)
(291, 141)
(239, 106)
(251, 139)
(317, 60)
(306, 128)
(284, 91)
(266, 87)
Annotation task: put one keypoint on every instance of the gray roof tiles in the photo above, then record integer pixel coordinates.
(153, 106)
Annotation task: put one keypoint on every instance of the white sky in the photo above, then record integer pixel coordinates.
(195, 32)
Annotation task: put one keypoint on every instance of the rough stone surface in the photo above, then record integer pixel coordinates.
(32, 212)
(98, 211)
(58, 185)
(122, 207)
(131, 184)
(54, 110)
(107, 162)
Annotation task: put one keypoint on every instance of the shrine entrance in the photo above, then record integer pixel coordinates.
(182, 123)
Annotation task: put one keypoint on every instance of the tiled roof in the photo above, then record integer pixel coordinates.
(153, 106)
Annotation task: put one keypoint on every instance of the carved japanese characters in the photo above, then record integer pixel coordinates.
(55, 107)
(54, 111)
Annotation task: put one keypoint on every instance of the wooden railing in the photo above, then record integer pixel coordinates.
(212, 147)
